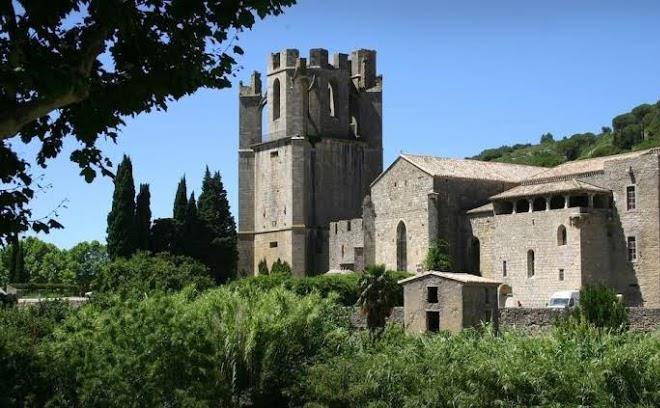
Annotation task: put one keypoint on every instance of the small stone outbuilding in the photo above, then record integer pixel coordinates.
(435, 301)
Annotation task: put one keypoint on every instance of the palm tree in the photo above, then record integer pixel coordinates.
(377, 296)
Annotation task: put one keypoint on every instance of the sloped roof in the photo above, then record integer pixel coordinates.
(586, 166)
(544, 189)
(472, 169)
(483, 209)
(458, 277)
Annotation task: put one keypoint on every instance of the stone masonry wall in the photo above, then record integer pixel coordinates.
(638, 280)
(345, 237)
(536, 320)
(482, 227)
(402, 195)
(456, 196)
(514, 235)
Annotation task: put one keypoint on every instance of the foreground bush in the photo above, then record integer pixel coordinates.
(346, 287)
(272, 348)
(377, 296)
(144, 273)
(216, 349)
(600, 306)
(22, 331)
(582, 368)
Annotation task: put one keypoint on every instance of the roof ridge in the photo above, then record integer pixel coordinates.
(472, 160)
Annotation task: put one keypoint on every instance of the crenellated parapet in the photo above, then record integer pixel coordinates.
(317, 96)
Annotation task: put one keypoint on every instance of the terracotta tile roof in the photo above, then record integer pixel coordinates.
(472, 169)
(459, 277)
(544, 189)
(486, 208)
(585, 166)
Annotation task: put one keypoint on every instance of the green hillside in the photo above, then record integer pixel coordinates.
(636, 130)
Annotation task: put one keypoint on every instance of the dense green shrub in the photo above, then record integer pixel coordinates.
(438, 257)
(216, 349)
(344, 286)
(263, 268)
(377, 289)
(146, 273)
(46, 263)
(280, 268)
(600, 306)
(8, 299)
(583, 368)
(22, 369)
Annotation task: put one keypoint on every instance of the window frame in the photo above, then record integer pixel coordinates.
(432, 295)
(629, 188)
(531, 263)
(277, 99)
(635, 252)
(562, 235)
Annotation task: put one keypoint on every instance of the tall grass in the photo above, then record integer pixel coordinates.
(585, 367)
(218, 349)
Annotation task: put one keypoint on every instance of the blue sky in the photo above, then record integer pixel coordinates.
(459, 77)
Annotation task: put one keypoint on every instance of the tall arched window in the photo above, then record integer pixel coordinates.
(401, 247)
(332, 98)
(530, 263)
(561, 235)
(276, 99)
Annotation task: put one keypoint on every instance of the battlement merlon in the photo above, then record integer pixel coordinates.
(253, 88)
(285, 59)
(363, 68)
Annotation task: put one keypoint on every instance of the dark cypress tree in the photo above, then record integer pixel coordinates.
(191, 232)
(180, 202)
(164, 235)
(219, 247)
(121, 220)
(143, 218)
(11, 260)
(17, 272)
(22, 275)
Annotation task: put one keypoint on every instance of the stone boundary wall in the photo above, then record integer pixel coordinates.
(359, 321)
(75, 302)
(534, 320)
(529, 319)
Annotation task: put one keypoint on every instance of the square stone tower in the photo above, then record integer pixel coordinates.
(322, 150)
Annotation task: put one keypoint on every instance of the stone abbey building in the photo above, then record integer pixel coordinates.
(314, 194)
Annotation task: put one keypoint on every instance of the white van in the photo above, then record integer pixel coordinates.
(564, 299)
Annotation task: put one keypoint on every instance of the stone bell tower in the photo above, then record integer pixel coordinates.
(322, 150)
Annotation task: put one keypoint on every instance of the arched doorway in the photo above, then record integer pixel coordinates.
(401, 247)
(503, 293)
(475, 256)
